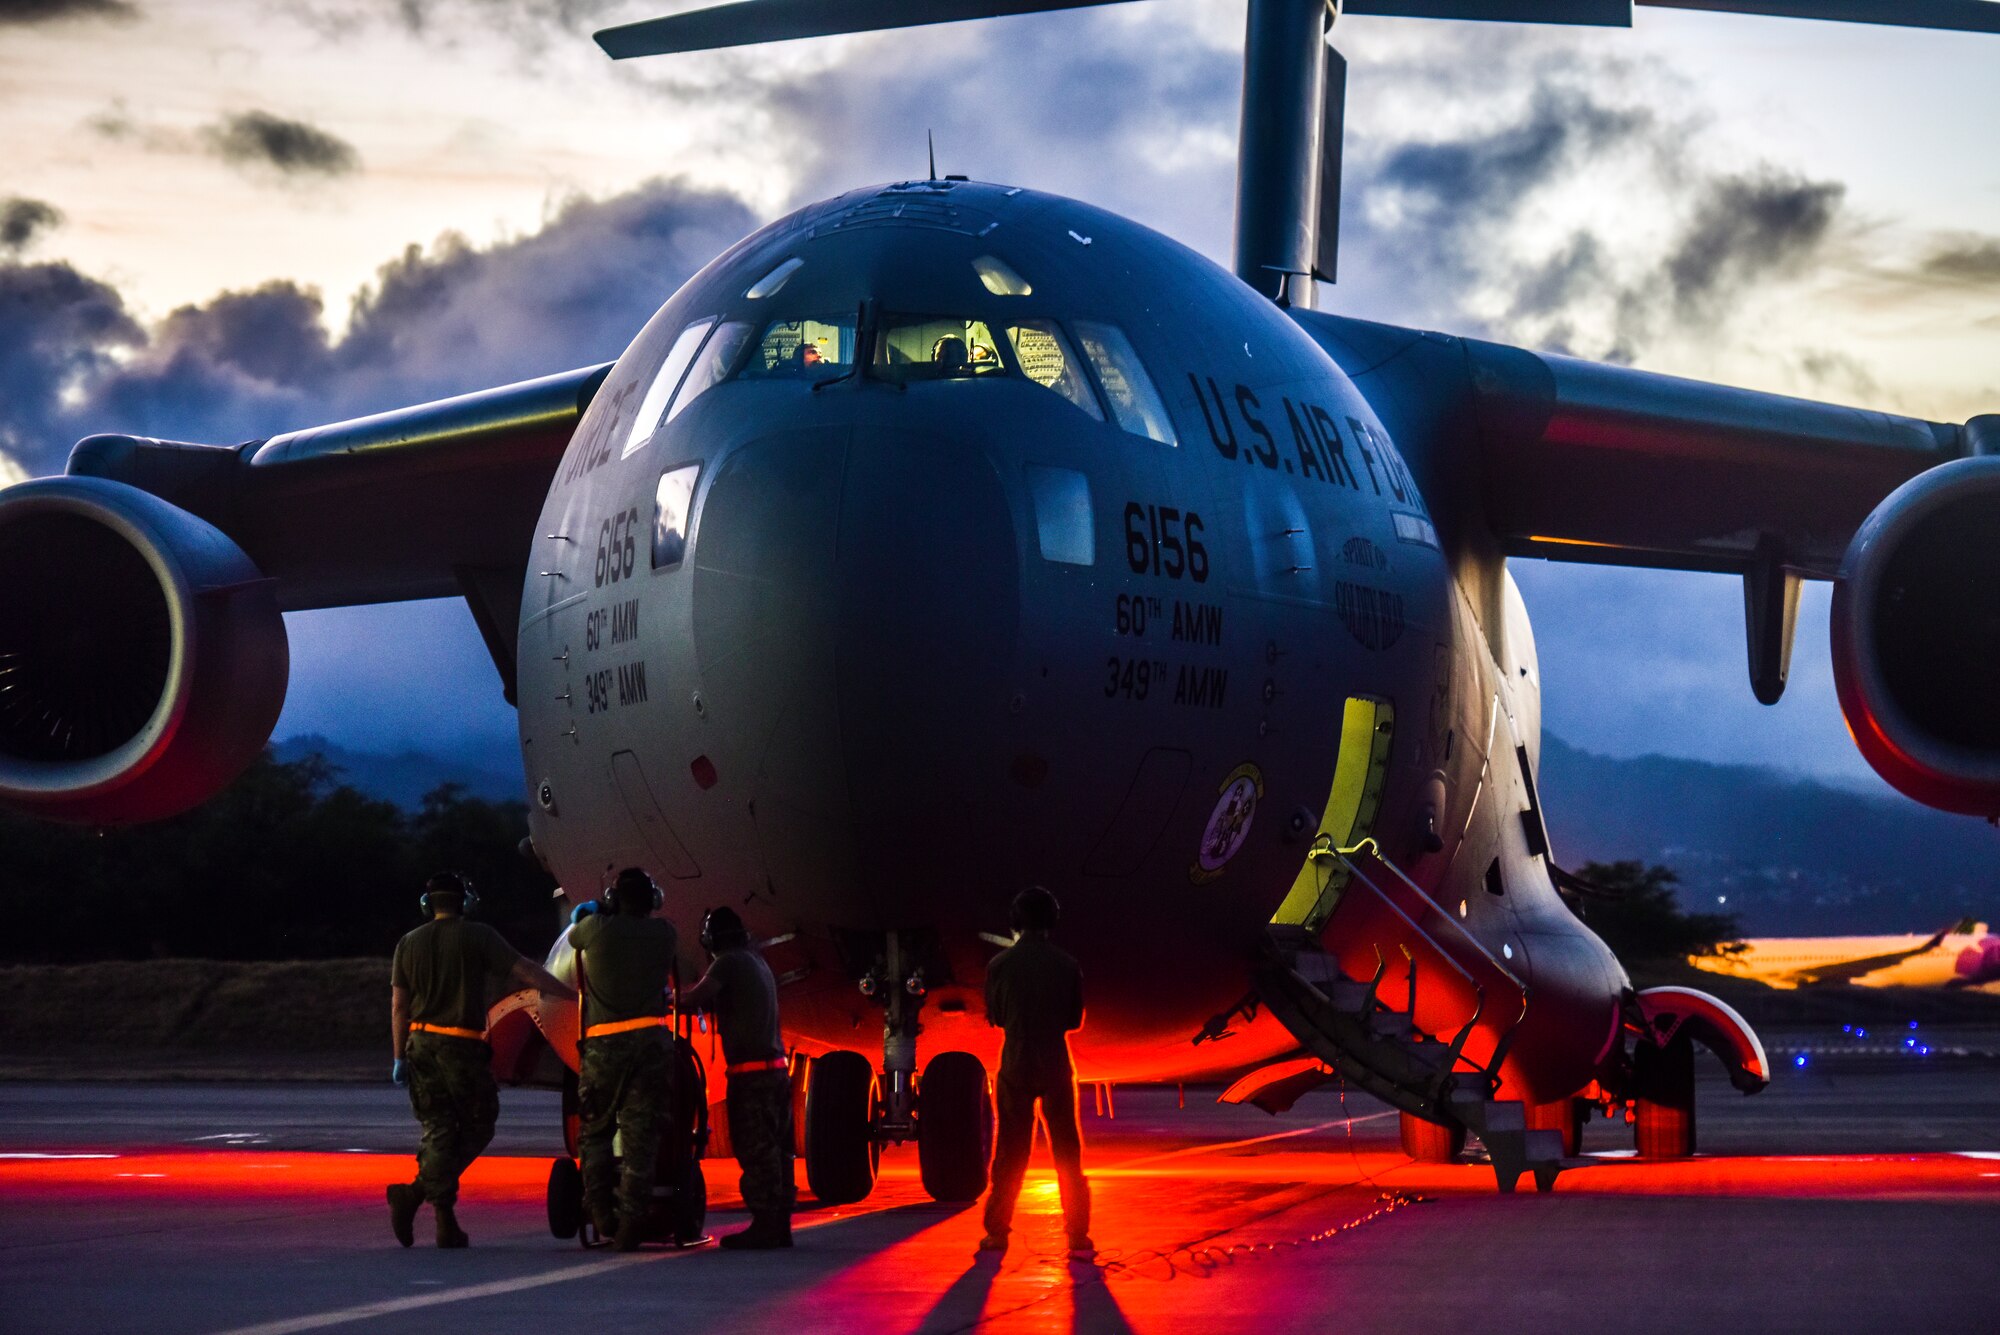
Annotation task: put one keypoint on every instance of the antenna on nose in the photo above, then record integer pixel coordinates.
(931, 140)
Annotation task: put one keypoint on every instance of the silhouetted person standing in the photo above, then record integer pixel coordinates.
(626, 1083)
(739, 991)
(444, 977)
(1035, 993)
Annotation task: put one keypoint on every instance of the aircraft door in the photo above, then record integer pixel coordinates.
(1361, 767)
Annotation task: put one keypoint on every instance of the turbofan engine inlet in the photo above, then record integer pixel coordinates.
(1916, 637)
(143, 659)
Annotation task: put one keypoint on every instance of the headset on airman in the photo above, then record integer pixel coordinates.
(632, 881)
(1035, 910)
(449, 884)
(723, 929)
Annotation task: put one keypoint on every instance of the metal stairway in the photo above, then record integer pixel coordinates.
(1347, 1024)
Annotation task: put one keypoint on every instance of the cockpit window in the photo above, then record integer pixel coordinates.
(800, 348)
(652, 409)
(920, 348)
(768, 285)
(1045, 358)
(717, 359)
(1127, 388)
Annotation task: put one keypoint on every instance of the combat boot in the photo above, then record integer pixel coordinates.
(404, 1201)
(450, 1235)
(631, 1232)
(767, 1232)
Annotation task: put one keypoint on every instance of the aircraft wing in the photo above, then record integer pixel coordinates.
(1581, 461)
(431, 501)
(1846, 971)
(1534, 454)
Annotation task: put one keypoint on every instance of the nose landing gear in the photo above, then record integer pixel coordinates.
(851, 1113)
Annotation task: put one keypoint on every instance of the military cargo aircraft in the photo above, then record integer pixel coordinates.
(944, 537)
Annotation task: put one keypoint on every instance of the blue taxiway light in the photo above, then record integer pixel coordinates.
(1799, 1060)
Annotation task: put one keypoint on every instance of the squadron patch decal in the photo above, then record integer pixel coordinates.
(1229, 824)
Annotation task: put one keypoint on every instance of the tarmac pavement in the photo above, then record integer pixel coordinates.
(1856, 1194)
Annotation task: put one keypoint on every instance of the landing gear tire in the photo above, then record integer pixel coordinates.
(954, 1127)
(841, 1152)
(1663, 1086)
(1564, 1115)
(565, 1198)
(1432, 1142)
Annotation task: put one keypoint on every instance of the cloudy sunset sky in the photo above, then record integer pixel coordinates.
(220, 220)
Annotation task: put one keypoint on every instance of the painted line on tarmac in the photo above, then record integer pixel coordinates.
(391, 1306)
(418, 1301)
(1239, 1144)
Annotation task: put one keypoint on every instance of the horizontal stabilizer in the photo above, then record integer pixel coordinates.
(1951, 15)
(751, 22)
(1596, 13)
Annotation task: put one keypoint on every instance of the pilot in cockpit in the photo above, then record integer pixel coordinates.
(948, 354)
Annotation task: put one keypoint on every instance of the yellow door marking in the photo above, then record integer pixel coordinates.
(1367, 728)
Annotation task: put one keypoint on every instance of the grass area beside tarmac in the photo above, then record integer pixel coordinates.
(195, 1020)
(329, 1019)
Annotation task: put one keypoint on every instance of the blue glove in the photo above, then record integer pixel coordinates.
(584, 910)
(399, 1074)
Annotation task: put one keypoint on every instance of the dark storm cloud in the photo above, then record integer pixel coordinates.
(24, 12)
(1744, 229)
(442, 23)
(1835, 372)
(1971, 260)
(437, 321)
(1433, 226)
(22, 220)
(293, 148)
(1488, 173)
(58, 330)
(1079, 103)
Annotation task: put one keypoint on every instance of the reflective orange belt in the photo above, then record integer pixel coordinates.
(747, 1068)
(624, 1026)
(450, 1032)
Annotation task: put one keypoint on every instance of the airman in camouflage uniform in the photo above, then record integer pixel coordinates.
(743, 996)
(1035, 993)
(626, 1082)
(439, 996)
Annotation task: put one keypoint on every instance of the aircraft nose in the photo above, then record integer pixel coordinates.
(856, 611)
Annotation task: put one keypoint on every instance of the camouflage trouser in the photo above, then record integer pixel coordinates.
(1015, 1095)
(453, 1094)
(626, 1090)
(760, 1131)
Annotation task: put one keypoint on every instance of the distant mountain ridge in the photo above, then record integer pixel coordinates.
(404, 777)
(1793, 856)
(1790, 855)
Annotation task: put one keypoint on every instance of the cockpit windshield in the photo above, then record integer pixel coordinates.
(907, 348)
(1105, 380)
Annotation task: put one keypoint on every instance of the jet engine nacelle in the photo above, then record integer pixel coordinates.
(143, 658)
(1916, 637)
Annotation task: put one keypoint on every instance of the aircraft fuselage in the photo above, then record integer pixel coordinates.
(862, 653)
